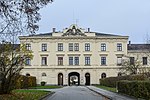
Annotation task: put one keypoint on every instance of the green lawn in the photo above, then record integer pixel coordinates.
(24, 95)
(45, 87)
(107, 88)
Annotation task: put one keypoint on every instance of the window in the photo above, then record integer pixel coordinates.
(44, 61)
(87, 60)
(44, 47)
(119, 47)
(70, 60)
(43, 74)
(70, 46)
(60, 60)
(28, 46)
(87, 46)
(27, 74)
(103, 47)
(28, 61)
(60, 46)
(76, 47)
(131, 60)
(103, 75)
(76, 62)
(119, 61)
(144, 60)
(103, 60)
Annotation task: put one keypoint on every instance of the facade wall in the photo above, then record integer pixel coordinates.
(95, 69)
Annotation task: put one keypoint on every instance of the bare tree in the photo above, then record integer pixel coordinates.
(16, 17)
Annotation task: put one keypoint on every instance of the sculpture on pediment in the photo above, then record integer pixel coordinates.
(73, 31)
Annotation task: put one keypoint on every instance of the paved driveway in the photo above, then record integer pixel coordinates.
(75, 93)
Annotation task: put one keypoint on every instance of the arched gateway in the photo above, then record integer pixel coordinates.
(74, 78)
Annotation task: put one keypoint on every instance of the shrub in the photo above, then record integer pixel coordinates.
(138, 89)
(25, 82)
(112, 81)
(43, 83)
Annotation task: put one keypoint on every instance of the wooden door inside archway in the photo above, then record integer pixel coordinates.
(60, 79)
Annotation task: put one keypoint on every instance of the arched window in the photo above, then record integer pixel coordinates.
(103, 75)
(27, 74)
(43, 74)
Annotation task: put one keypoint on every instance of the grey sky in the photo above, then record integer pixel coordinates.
(122, 17)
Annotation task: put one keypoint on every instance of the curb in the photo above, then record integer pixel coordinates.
(45, 96)
(107, 97)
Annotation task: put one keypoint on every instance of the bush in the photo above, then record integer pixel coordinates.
(43, 83)
(112, 81)
(138, 89)
(25, 82)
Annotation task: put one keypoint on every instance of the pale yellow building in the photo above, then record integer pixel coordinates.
(74, 56)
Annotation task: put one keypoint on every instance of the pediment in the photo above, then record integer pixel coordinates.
(73, 30)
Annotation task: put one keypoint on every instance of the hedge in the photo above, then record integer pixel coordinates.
(138, 89)
(112, 81)
(25, 82)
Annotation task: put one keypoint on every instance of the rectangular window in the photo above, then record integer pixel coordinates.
(144, 60)
(76, 47)
(28, 46)
(70, 46)
(103, 60)
(70, 60)
(87, 60)
(119, 47)
(60, 60)
(44, 47)
(60, 46)
(76, 62)
(28, 61)
(44, 61)
(119, 61)
(131, 60)
(103, 47)
(87, 46)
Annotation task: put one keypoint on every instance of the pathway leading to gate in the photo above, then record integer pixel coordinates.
(74, 93)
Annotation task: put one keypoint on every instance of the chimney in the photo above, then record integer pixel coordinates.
(88, 29)
(54, 30)
(129, 42)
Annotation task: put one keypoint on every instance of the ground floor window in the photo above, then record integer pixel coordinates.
(103, 75)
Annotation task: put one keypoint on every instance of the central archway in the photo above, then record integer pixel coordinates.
(74, 78)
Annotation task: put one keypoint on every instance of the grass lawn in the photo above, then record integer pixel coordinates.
(107, 88)
(24, 95)
(46, 87)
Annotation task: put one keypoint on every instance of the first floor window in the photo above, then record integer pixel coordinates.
(60, 60)
(70, 60)
(144, 60)
(76, 60)
(70, 46)
(44, 47)
(76, 47)
(44, 61)
(87, 46)
(28, 61)
(60, 46)
(87, 60)
(119, 47)
(28, 46)
(103, 47)
(103, 60)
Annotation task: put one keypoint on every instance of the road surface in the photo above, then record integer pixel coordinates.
(75, 93)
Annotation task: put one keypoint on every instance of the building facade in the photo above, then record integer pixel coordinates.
(74, 56)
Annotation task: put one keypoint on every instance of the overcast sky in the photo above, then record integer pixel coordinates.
(121, 17)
